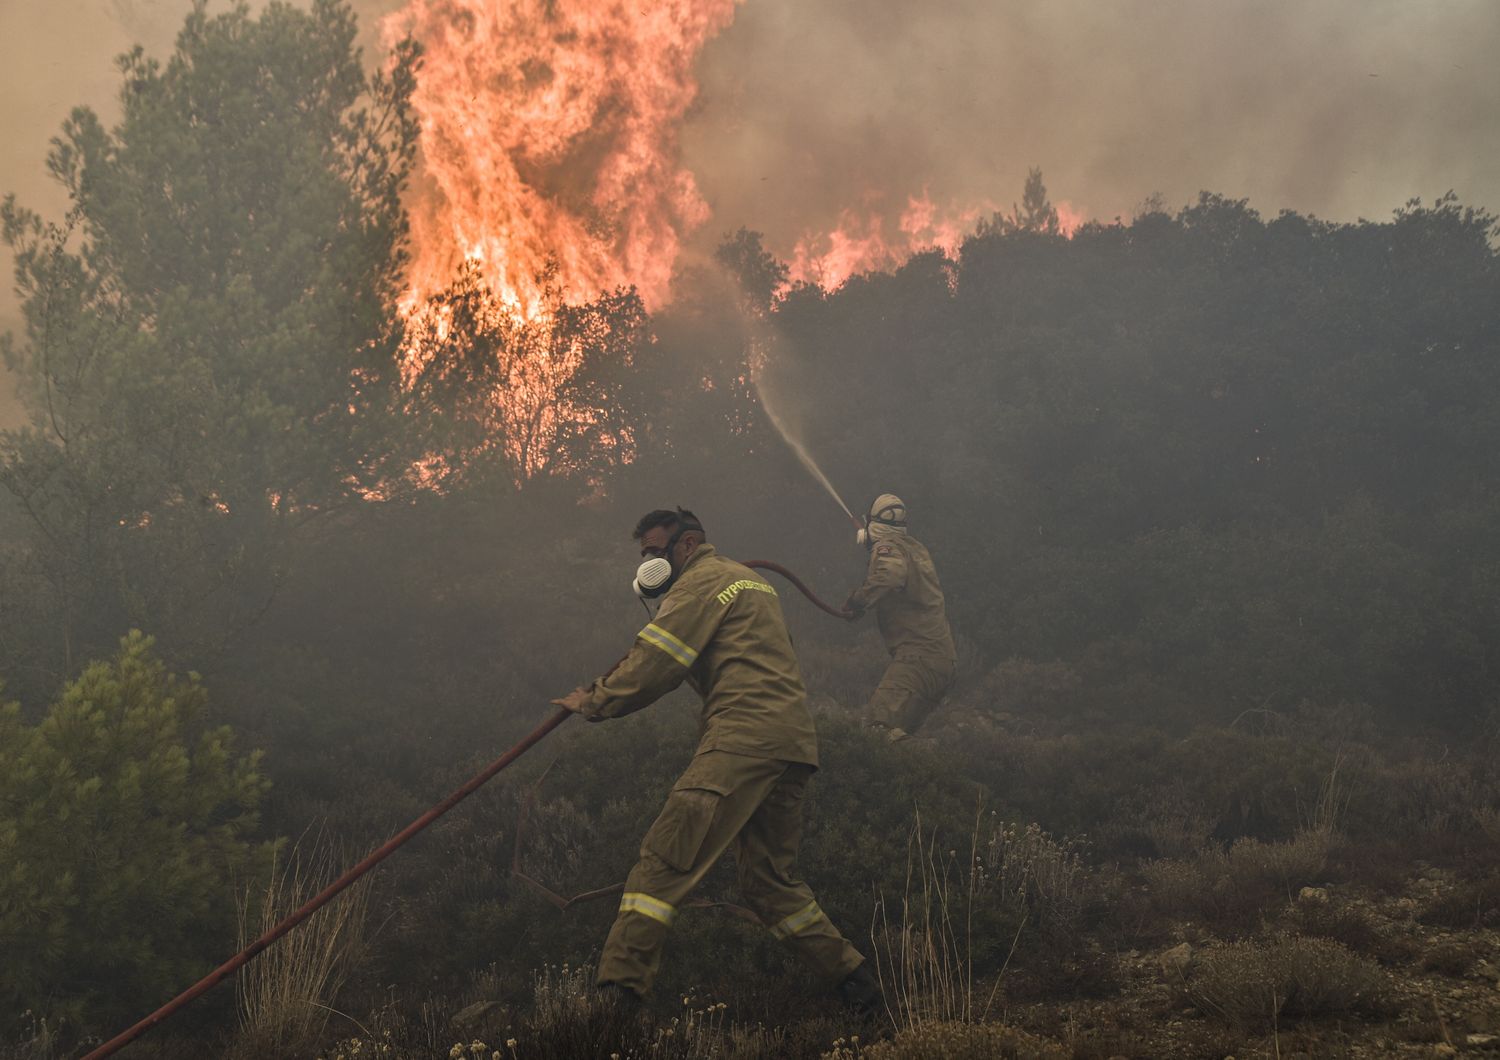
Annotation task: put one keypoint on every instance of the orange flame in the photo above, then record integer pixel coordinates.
(549, 139)
(865, 242)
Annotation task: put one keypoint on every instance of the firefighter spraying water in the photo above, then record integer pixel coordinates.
(901, 584)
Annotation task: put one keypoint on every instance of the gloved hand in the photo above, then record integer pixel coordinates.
(854, 607)
(577, 701)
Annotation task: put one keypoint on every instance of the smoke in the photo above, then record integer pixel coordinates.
(1342, 108)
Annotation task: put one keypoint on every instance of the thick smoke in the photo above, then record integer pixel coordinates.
(1343, 108)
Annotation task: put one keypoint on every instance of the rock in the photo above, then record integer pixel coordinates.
(1484, 1022)
(1313, 894)
(473, 1015)
(1481, 1039)
(1486, 970)
(1175, 962)
(1444, 1049)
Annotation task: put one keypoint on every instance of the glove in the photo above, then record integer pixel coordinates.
(854, 607)
(577, 701)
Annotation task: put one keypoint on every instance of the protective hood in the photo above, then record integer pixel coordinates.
(886, 518)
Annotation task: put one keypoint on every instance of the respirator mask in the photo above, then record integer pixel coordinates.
(653, 578)
(887, 510)
(656, 574)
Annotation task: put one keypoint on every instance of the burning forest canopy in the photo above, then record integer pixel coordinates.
(346, 382)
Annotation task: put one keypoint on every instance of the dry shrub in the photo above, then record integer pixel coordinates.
(1352, 927)
(285, 994)
(1231, 888)
(1286, 866)
(1469, 904)
(1256, 984)
(951, 1041)
(1452, 958)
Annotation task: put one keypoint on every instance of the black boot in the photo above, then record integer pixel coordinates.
(860, 992)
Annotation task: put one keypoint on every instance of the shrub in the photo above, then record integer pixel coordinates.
(1230, 888)
(1254, 984)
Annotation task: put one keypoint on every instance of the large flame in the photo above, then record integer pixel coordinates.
(550, 178)
(549, 139)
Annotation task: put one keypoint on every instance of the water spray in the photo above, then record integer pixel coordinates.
(801, 450)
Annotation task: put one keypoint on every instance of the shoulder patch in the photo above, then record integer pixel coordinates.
(885, 550)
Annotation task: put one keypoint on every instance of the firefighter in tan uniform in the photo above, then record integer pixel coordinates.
(720, 628)
(902, 586)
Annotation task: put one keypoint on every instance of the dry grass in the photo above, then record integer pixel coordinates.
(286, 994)
(924, 966)
(925, 958)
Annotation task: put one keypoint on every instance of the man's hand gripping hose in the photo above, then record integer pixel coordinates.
(239, 960)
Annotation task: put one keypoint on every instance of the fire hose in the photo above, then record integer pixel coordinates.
(323, 897)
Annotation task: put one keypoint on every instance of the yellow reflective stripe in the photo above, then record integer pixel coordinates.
(644, 904)
(798, 922)
(660, 638)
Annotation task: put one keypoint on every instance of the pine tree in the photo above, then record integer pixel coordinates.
(126, 831)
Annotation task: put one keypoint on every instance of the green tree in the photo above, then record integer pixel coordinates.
(210, 344)
(126, 830)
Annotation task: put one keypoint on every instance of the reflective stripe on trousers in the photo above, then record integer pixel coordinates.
(644, 904)
(798, 922)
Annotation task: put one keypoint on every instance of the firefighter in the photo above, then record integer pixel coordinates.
(720, 628)
(902, 586)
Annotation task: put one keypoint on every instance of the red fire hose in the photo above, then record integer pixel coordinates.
(229, 967)
(765, 564)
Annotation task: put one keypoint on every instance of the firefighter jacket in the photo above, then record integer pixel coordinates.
(720, 628)
(902, 586)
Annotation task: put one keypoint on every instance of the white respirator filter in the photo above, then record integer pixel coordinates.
(652, 578)
(862, 537)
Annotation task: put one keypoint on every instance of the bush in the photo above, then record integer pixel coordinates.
(1231, 888)
(124, 830)
(1255, 984)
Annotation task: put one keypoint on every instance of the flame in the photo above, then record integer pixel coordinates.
(865, 241)
(550, 178)
(549, 140)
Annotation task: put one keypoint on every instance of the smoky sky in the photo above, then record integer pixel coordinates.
(1340, 108)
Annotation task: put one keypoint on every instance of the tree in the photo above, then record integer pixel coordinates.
(761, 277)
(126, 830)
(210, 347)
(1034, 214)
(520, 396)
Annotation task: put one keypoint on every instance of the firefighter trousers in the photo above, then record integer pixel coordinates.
(909, 691)
(723, 800)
